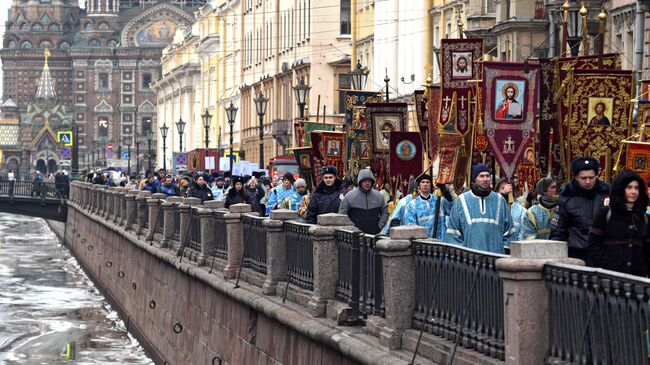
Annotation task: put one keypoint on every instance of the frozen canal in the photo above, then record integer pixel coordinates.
(47, 303)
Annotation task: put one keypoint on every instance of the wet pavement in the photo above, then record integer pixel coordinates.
(47, 304)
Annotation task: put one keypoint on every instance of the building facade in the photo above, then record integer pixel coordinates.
(103, 61)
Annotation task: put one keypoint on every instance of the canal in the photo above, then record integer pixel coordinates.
(50, 312)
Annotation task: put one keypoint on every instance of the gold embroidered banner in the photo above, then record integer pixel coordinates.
(596, 115)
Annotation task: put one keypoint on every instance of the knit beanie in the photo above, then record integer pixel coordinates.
(478, 169)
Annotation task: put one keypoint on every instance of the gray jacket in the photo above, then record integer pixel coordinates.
(367, 209)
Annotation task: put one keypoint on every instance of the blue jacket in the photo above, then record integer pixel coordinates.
(168, 190)
(517, 212)
(398, 214)
(480, 223)
(277, 196)
(422, 212)
(536, 223)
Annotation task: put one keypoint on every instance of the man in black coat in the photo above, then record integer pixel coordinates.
(327, 197)
(200, 189)
(579, 202)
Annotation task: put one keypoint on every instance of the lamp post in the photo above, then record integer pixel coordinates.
(129, 141)
(260, 105)
(149, 139)
(137, 153)
(231, 113)
(207, 118)
(180, 127)
(163, 132)
(301, 92)
(359, 77)
(574, 27)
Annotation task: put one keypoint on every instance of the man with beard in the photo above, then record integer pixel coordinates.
(537, 221)
(480, 218)
(505, 109)
(327, 197)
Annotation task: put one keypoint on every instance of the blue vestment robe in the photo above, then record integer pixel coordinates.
(536, 223)
(422, 212)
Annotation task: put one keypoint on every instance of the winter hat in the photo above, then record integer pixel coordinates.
(200, 174)
(423, 177)
(237, 179)
(478, 169)
(584, 163)
(300, 182)
(328, 170)
(365, 174)
(543, 184)
(289, 176)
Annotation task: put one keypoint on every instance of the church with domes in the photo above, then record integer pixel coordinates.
(101, 61)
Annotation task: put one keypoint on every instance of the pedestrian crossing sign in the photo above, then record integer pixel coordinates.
(65, 137)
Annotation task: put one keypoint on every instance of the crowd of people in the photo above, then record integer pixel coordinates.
(604, 226)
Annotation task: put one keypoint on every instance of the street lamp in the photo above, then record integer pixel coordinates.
(231, 113)
(359, 77)
(149, 139)
(574, 27)
(301, 92)
(180, 126)
(260, 105)
(207, 118)
(129, 141)
(163, 132)
(137, 153)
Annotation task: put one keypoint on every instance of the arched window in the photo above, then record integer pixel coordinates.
(12, 44)
(24, 26)
(45, 44)
(26, 44)
(94, 43)
(112, 43)
(37, 27)
(103, 26)
(54, 27)
(88, 26)
(64, 45)
(13, 27)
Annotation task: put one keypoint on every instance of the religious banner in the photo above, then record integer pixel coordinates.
(449, 154)
(527, 172)
(357, 154)
(597, 115)
(422, 115)
(643, 113)
(405, 159)
(644, 94)
(303, 131)
(384, 118)
(460, 64)
(638, 158)
(327, 150)
(509, 110)
(433, 106)
(303, 158)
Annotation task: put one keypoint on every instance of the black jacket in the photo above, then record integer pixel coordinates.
(202, 192)
(619, 238)
(326, 199)
(575, 214)
(234, 197)
(256, 195)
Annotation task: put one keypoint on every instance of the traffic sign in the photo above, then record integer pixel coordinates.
(66, 153)
(109, 146)
(65, 137)
(109, 154)
(125, 155)
(65, 162)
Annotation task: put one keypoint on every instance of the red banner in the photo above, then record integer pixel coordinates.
(405, 157)
(509, 110)
(638, 158)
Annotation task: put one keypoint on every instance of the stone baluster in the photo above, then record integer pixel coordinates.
(122, 219)
(86, 196)
(141, 202)
(117, 200)
(525, 298)
(131, 209)
(108, 211)
(208, 228)
(326, 256)
(235, 233)
(169, 207)
(399, 282)
(155, 217)
(94, 199)
(185, 210)
(101, 197)
(276, 249)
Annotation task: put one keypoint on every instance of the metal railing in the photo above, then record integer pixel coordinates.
(194, 230)
(177, 225)
(145, 224)
(159, 220)
(459, 293)
(255, 243)
(372, 277)
(34, 189)
(300, 258)
(349, 280)
(597, 316)
(220, 247)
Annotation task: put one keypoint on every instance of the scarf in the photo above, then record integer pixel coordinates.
(479, 191)
(548, 202)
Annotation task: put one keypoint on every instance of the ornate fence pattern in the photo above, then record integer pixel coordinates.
(450, 279)
(220, 247)
(300, 258)
(597, 316)
(194, 230)
(372, 277)
(254, 243)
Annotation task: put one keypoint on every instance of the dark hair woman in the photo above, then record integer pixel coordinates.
(619, 239)
(237, 194)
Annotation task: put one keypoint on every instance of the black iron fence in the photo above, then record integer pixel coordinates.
(254, 243)
(349, 258)
(597, 316)
(220, 247)
(159, 220)
(300, 258)
(145, 224)
(34, 189)
(177, 224)
(459, 292)
(372, 277)
(194, 230)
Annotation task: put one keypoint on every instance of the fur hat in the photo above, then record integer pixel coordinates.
(584, 163)
(236, 179)
(328, 170)
(424, 177)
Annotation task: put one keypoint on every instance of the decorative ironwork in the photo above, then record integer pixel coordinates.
(220, 246)
(255, 236)
(456, 269)
(300, 258)
(195, 230)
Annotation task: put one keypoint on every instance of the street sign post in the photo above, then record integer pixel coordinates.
(125, 155)
(109, 146)
(65, 137)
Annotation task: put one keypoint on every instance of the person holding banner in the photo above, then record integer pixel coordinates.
(421, 210)
(480, 218)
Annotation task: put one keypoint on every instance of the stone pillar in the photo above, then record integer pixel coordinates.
(326, 259)
(169, 207)
(276, 249)
(154, 217)
(122, 218)
(103, 204)
(117, 203)
(235, 234)
(185, 210)
(207, 233)
(93, 198)
(86, 196)
(141, 202)
(525, 297)
(399, 282)
(214, 204)
(131, 210)
(108, 212)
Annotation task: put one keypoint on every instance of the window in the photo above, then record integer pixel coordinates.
(146, 125)
(345, 17)
(102, 127)
(345, 83)
(103, 80)
(489, 7)
(146, 80)
(26, 44)
(94, 43)
(37, 27)
(45, 44)
(54, 27)
(64, 45)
